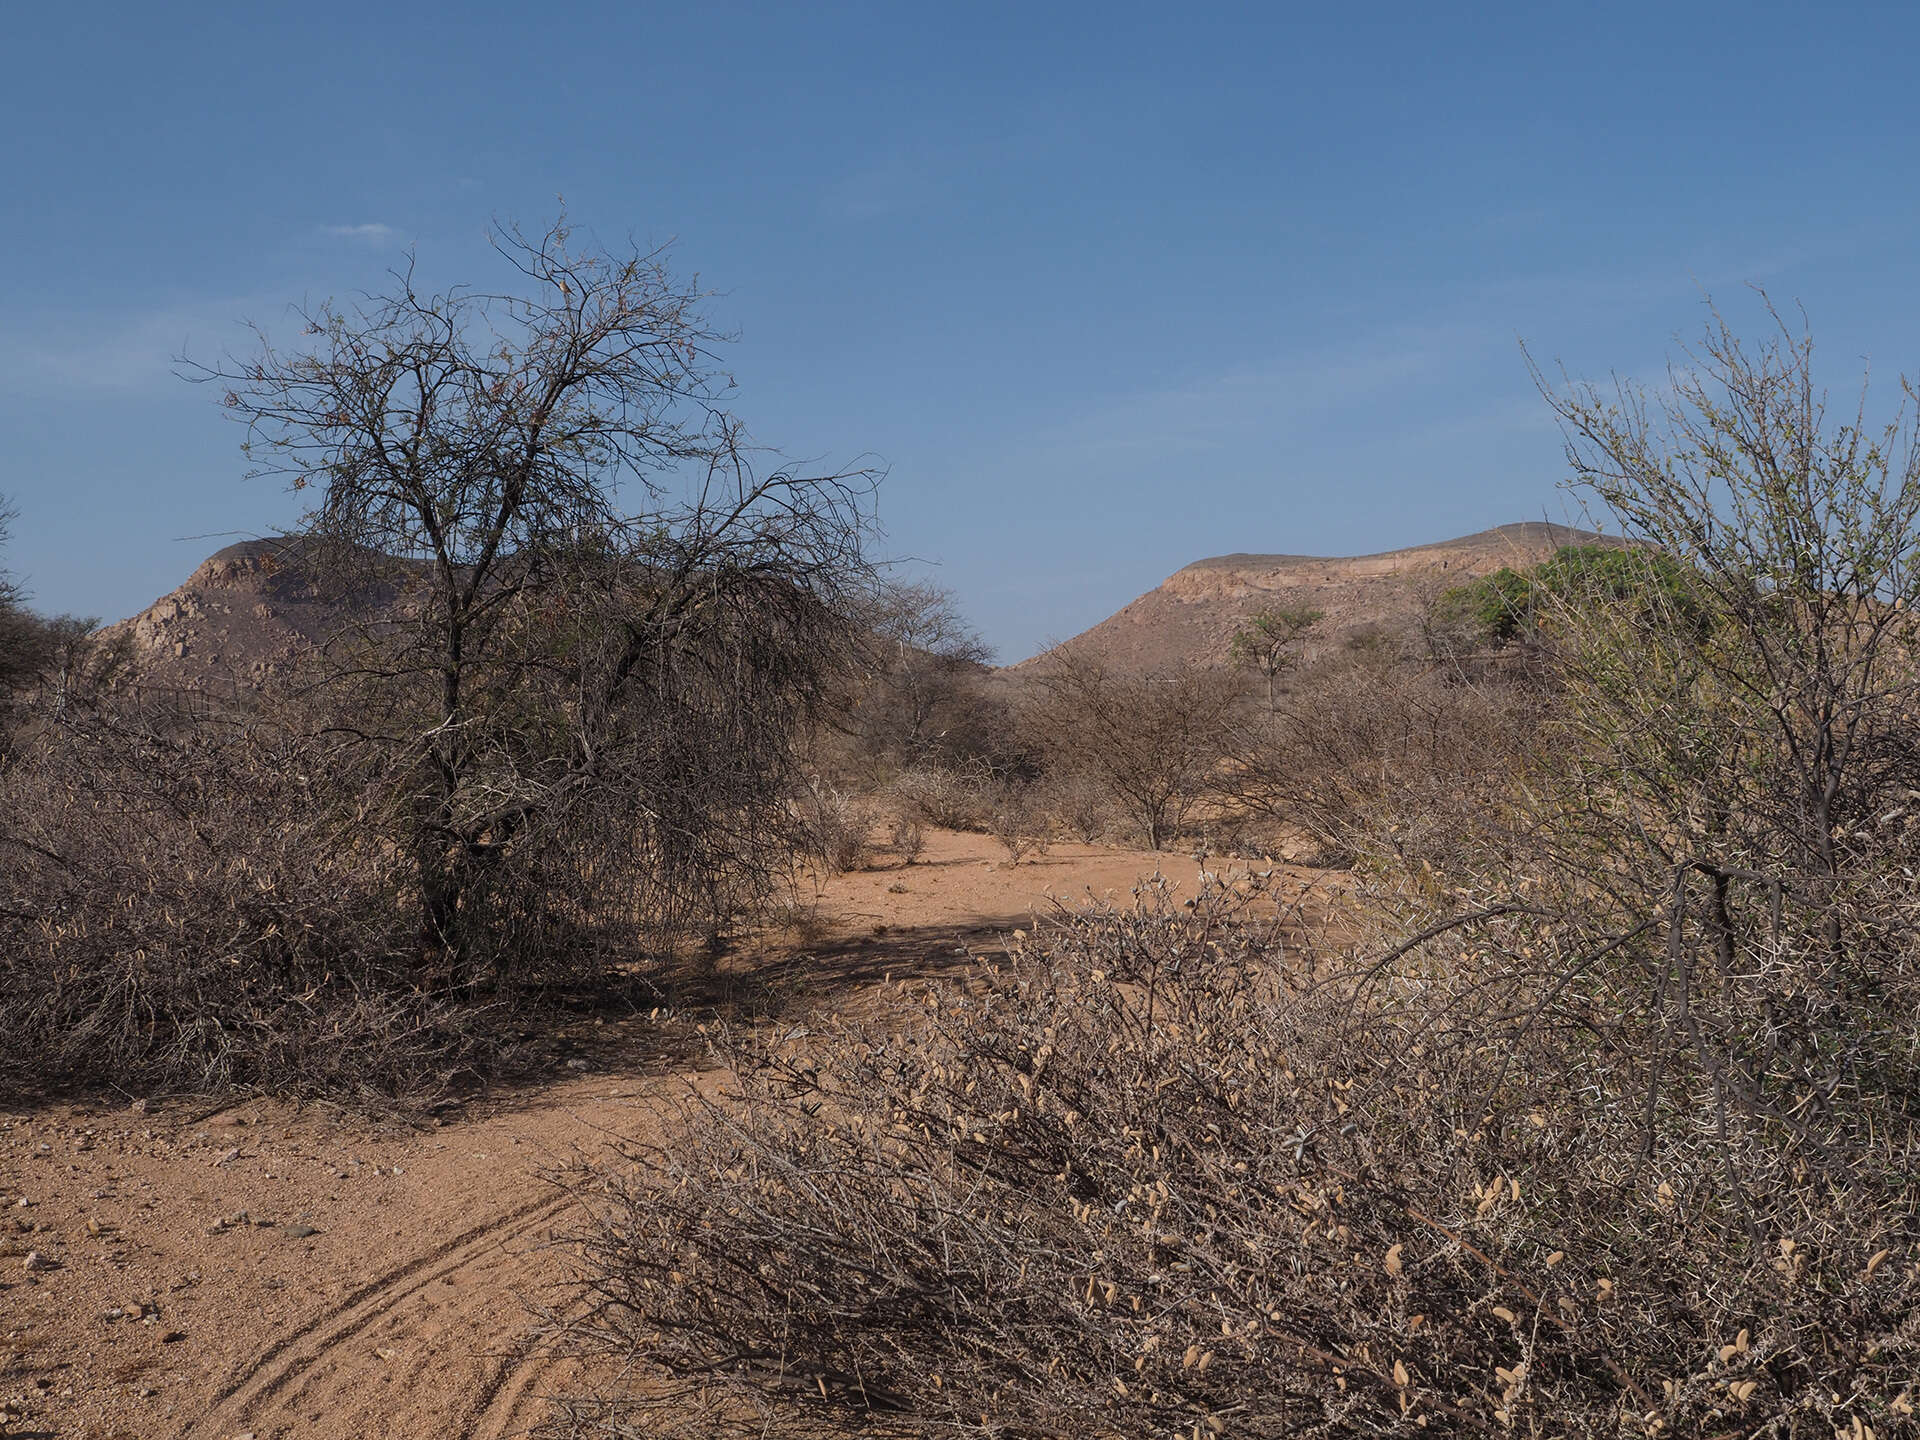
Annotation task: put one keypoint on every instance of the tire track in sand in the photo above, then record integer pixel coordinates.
(284, 1373)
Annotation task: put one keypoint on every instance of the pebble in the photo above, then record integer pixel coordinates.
(36, 1261)
(299, 1232)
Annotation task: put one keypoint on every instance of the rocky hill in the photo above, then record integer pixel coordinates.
(255, 608)
(248, 611)
(1191, 616)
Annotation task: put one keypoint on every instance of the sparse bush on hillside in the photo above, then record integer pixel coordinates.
(1500, 608)
(1270, 642)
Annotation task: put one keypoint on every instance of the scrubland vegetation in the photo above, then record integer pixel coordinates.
(554, 744)
(1590, 1112)
(1601, 1123)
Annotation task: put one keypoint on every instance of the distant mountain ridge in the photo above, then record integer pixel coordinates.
(255, 609)
(1190, 617)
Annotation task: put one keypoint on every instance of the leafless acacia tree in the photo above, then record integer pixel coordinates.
(1155, 742)
(611, 618)
(924, 657)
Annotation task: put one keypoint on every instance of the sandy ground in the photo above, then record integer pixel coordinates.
(177, 1270)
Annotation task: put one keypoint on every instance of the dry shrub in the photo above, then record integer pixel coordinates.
(836, 828)
(1381, 759)
(1608, 1127)
(906, 837)
(1018, 824)
(952, 798)
(184, 904)
(1147, 1182)
(1077, 803)
(1153, 743)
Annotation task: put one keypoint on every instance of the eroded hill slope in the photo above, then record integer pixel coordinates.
(1191, 616)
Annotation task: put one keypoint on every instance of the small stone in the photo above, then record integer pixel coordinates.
(139, 1107)
(94, 1227)
(22, 1203)
(576, 1064)
(173, 1337)
(35, 1261)
(299, 1232)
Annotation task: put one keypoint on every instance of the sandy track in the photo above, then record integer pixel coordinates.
(380, 1284)
(307, 1370)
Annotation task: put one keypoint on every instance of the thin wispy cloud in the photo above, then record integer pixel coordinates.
(371, 233)
(1224, 412)
(902, 177)
(899, 183)
(121, 354)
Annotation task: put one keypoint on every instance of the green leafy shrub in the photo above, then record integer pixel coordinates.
(1500, 607)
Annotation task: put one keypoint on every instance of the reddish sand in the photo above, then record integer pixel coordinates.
(263, 1270)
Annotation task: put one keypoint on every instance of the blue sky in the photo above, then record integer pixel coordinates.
(1109, 288)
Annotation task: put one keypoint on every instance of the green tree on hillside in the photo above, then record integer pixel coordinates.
(1269, 641)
